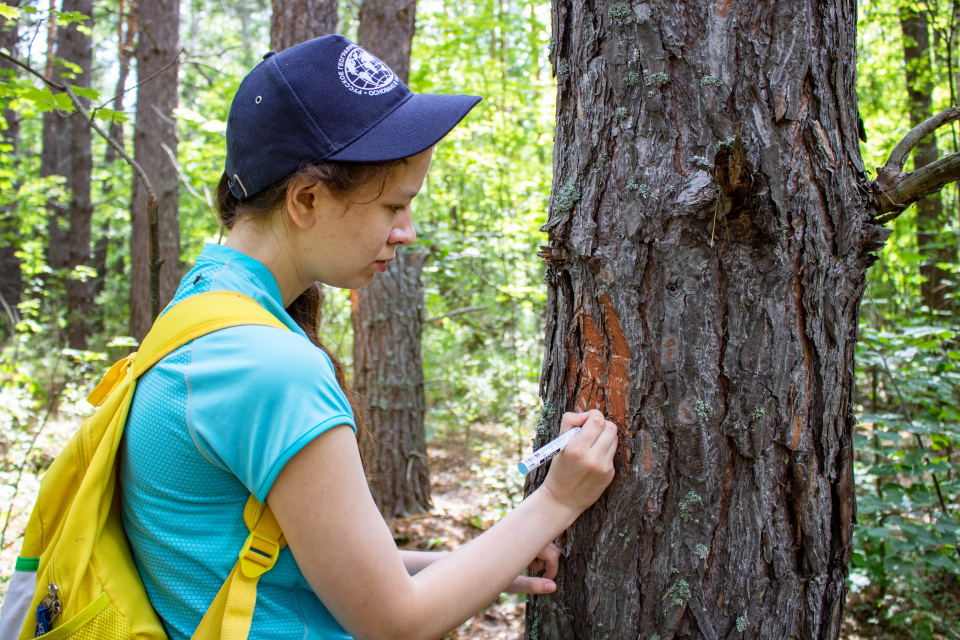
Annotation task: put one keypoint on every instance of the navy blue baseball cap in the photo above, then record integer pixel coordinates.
(328, 99)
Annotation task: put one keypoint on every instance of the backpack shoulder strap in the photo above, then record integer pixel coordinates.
(197, 316)
(183, 322)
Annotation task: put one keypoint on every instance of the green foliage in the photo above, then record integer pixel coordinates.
(905, 574)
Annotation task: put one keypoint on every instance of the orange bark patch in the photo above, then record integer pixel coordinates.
(668, 351)
(797, 432)
(601, 377)
(723, 6)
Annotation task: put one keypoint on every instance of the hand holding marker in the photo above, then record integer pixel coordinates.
(547, 451)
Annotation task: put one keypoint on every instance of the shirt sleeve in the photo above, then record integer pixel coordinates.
(256, 396)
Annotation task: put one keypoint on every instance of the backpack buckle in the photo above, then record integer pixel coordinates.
(258, 555)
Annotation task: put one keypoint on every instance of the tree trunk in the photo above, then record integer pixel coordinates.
(388, 376)
(709, 235)
(157, 49)
(933, 246)
(66, 152)
(401, 479)
(11, 280)
(386, 30)
(296, 21)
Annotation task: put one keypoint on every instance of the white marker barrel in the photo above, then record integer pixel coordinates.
(547, 451)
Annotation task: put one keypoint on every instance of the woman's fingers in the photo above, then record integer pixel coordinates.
(533, 585)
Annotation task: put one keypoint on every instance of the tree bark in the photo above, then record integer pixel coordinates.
(709, 232)
(66, 152)
(11, 279)
(931, 245)
(386, 30)
(401, 478)
(157, 50)
(296, 21)
(126, 34)
(388, 376)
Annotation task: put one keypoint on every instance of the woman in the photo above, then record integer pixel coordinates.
(326, 150)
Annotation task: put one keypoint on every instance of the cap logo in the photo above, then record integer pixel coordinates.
(363, 73)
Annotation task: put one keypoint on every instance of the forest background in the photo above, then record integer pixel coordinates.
(478, 218)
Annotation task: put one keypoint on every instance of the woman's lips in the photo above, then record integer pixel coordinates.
(381, 265)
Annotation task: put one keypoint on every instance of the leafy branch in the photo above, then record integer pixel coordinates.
(152, 201)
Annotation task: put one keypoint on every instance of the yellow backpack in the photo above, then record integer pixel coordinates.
(76, 578)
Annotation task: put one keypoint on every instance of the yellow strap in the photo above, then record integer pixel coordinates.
(231, 612)
(197, 316)
(188, 320)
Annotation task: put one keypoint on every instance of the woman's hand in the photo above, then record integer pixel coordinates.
(547, 561)
(581, 472)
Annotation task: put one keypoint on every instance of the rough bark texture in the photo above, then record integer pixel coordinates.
(157, 47)
(296, 21)
(386, 30)
(66, 152)
(933, 247)
(388, 376)
(401, 481)
(11, 281)
(709, 234)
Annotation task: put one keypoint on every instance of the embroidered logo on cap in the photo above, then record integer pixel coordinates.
(363, 73)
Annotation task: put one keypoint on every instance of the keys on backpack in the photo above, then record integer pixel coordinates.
(47, 610)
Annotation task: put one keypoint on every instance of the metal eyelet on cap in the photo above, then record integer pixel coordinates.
(258, 99)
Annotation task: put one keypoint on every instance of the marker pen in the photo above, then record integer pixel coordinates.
(547, 451)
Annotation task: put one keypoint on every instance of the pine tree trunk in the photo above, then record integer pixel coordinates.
(66, 152)
(934, 247)
(386, 30)
(388, 376)
(296, 21)
(401, 482)
(157, 49)
(11, 280)
(708, 243)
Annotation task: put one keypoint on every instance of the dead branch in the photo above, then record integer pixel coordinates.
(915, 185)
(889, 175)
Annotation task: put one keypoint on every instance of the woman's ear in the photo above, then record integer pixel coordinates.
(304, 200)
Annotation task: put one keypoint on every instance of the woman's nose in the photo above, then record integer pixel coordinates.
(403, 232)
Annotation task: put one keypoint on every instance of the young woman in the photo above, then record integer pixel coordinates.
(326, 150)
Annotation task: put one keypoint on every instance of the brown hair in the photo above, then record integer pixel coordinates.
(341, 180)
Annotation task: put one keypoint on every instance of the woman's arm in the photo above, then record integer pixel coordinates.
(346, 552)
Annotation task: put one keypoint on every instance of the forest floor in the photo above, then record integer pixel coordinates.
(471, 490)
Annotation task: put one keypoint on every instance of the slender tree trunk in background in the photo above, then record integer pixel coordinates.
(400, 477)
(388, 376)
(52, 157)
(296, 21)
(11, 279)
(709, 236)
(66, 152)
(157, 49)
(934, 246)
(126, 36)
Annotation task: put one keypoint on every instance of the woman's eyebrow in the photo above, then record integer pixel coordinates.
(410, 194)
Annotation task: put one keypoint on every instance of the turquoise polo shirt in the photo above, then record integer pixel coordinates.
(210, 424)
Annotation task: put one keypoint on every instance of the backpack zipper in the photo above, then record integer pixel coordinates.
(48, 610)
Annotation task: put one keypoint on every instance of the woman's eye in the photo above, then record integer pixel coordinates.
(396, 208)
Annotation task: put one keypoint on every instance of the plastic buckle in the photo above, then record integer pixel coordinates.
(258, 555)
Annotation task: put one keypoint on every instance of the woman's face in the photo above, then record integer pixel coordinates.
(346, 248)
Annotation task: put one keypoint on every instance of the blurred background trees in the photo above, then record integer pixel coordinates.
(478, 220)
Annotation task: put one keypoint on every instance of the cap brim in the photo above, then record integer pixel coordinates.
(416, 125)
